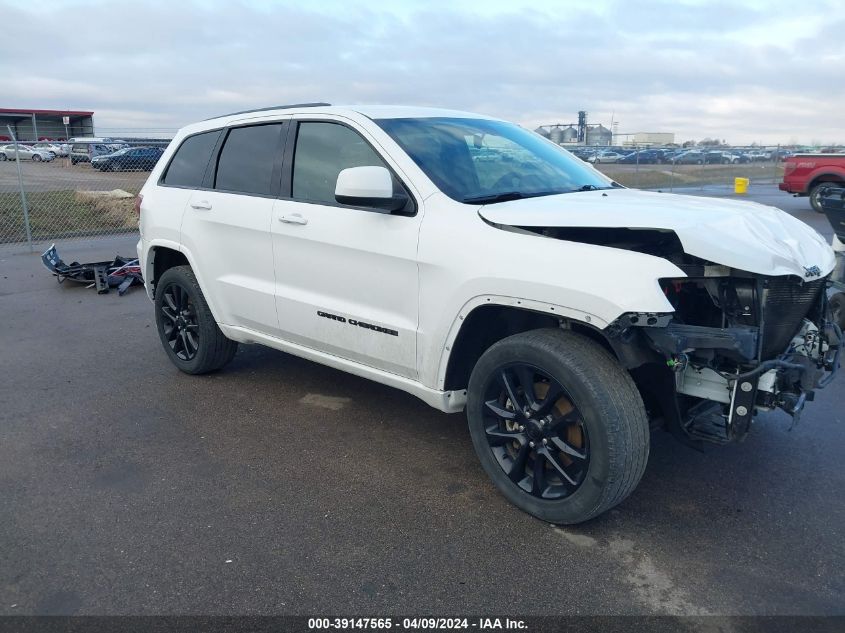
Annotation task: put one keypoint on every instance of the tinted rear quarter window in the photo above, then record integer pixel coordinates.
(248, 158)
(191, 159)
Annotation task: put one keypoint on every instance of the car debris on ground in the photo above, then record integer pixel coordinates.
(121, 272)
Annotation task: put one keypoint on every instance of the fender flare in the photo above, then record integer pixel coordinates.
(529, 305)
(820, 174)
(174, 246)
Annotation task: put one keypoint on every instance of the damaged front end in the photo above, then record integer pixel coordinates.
(737, 343)
(750, 327)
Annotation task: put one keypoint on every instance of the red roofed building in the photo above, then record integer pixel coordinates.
(35, 125)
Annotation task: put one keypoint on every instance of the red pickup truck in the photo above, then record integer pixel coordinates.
(806, 174)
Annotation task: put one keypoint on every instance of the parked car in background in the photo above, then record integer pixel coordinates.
(131, 159)
(643, 157)
(581, 152)
(718, 157)
(758, 156)
(782, 154)
(84, 152)
(690, 157)
(53, 148)
(605, 157)
(669, 155)
(25, 152)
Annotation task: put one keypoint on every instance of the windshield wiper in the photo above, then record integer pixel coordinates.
(590, 188)
(496, 197)
(509, 195)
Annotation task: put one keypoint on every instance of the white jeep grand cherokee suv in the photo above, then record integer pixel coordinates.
(479, 266)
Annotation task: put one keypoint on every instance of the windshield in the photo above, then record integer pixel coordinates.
(480, 161)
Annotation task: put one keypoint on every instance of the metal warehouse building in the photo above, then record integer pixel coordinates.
(36, 125)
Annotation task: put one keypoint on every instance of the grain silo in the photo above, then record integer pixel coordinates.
(570, 135)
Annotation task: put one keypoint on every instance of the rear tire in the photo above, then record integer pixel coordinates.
(186, 327)
(568, 460)
(815, 194)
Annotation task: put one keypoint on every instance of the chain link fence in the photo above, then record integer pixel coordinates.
(57, 189)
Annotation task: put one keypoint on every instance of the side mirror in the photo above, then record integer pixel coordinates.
(368, 187)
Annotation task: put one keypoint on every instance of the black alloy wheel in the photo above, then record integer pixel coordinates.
(535, 432)
(189, 334)
(558, 424)
(180, 324)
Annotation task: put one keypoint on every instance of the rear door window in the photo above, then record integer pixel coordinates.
(248, 160)
(188, 165)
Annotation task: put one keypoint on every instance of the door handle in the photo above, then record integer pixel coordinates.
(203, 205)
(293, 218)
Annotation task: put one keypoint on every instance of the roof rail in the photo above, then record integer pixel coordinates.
(278, 107)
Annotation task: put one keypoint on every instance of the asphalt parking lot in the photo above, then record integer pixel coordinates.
(279, 486)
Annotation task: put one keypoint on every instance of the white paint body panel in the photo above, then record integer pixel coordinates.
(364, 182)
(743, 235)
(464, 261)
(230, 243)
(353, 264)
(265, 280)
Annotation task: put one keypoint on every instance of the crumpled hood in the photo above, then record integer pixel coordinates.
(743, 235)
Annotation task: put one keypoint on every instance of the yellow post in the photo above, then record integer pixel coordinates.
(741, 185)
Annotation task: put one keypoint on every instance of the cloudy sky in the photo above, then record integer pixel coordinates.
(768, 71)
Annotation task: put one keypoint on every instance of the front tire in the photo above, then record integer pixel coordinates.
(186, 327)
(557, 424)
(36, 158)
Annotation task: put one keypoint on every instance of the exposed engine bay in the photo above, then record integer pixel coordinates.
(737, 342)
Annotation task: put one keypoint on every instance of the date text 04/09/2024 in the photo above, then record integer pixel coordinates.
(414, 624)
